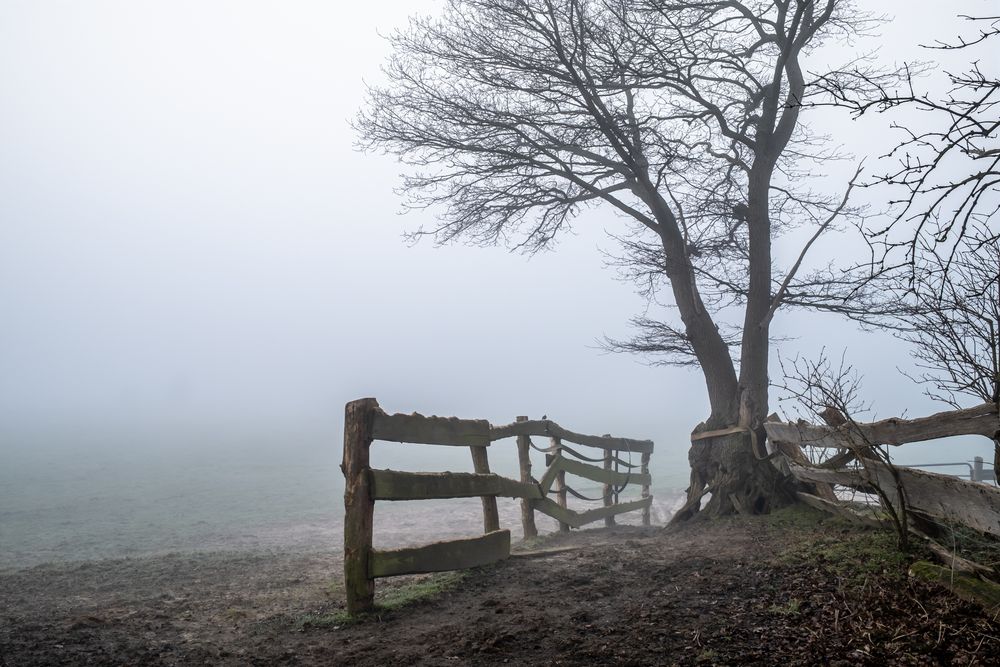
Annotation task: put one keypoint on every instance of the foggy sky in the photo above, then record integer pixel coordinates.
(191, 247)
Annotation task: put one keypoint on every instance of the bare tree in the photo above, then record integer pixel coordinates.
(833, 394)
(947, 306)
(936, 284)
(951, 317)
(681, 116)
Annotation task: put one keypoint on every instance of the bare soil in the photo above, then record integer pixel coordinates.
(749, 591)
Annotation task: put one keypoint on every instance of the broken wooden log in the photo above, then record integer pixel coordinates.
(980, 420)
(972, 504)
(442, 556)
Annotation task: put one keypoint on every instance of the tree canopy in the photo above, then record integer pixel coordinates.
(683, 117)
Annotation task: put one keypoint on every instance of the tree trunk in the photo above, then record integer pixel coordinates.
(727, 469)
(734, 468)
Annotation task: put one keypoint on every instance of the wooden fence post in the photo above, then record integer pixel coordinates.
(524, 459)
(645, 489)
(481, 464)
(560, 485)
(359, 507)
(609, 454)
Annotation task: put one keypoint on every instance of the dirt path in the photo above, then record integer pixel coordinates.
(734, 592)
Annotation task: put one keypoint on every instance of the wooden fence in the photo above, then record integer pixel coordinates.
(364, 421)
(941, 497)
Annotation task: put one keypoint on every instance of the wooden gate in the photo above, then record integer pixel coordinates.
(364, 421)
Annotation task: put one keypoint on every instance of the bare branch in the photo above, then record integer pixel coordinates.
(780, 295)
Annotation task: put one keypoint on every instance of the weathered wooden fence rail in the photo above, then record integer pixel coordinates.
(364, 422)
(943, 497)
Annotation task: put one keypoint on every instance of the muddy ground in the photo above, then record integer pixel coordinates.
(753, 591)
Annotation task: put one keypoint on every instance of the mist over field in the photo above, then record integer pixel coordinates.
(198, 270)
(59, 503)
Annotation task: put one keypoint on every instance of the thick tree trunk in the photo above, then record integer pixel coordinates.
(727, 467)
(737, 480)
(706, 341)
(734, 468)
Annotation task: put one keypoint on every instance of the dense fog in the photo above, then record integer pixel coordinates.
(198, 269)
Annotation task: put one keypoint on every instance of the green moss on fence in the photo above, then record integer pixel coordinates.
(964, 586)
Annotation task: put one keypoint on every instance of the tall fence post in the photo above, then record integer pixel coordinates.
(481, 464)
(977, 469)
(645, 489)
(609, 454)
(524, 460)
(560, 484)
(359, 507)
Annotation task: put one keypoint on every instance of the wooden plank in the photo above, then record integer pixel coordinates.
(358, 505)
(481, 464)
(578, 519)
(794, 452)
(973, 504)
(844, 477)
(555, 551)
(548, 428)
(509, 488)
(980, 420)
(549, 476)
(419, 429)
(395, 485)
(554, 510)
(811, 435)
(601, 475)
(843, 458)
(524, 463)
(590, 516)
(442, 556)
